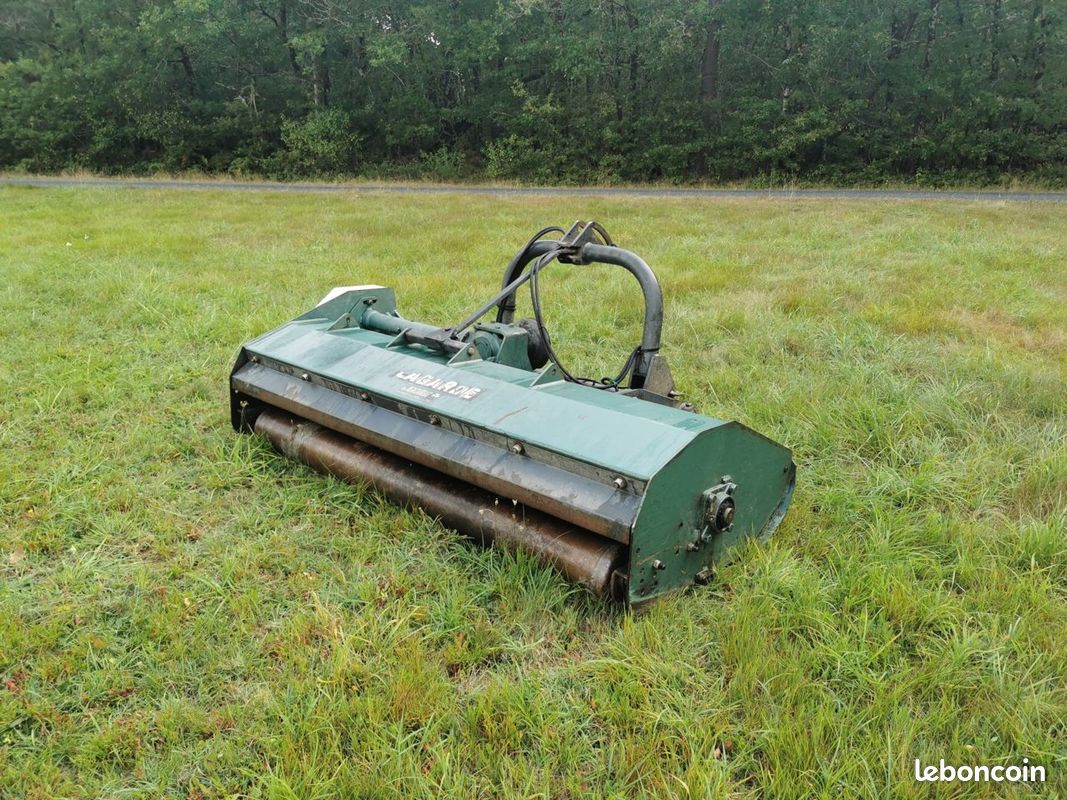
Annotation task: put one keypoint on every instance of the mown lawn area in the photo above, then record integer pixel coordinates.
(184, 613)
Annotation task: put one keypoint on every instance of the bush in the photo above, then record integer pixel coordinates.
(443, 164)
(513, 157)
(321, 144)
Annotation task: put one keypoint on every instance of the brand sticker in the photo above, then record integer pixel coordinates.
(429, 387)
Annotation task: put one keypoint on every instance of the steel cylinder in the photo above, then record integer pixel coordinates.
(487, 518)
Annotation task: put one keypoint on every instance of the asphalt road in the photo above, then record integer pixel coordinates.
(563, 191)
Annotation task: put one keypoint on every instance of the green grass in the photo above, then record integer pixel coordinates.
(184, 613)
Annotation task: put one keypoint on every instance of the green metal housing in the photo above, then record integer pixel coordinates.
(648, 475)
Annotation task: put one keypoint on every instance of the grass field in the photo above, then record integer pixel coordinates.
(185, 614)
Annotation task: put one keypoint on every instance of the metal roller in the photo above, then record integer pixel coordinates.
(488, 519)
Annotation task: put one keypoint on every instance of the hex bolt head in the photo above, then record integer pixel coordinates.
(364, 396)
(518, 449)
(434, 419)
(304, 376)
(619, 483)
(657, 564)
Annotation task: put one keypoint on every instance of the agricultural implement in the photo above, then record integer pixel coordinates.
(616, 482)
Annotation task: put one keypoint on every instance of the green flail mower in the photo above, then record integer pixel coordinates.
(615, 482)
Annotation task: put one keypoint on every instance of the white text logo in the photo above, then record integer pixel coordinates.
(436, 386)
(980, 773)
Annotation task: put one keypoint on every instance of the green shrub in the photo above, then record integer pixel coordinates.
(443, 164)
(512, 157)
(321, 144)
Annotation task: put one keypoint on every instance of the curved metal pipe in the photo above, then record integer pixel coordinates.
(506, 312)
(636, 266)
(602, 254)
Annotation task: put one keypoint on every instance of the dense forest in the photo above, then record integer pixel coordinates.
(844, 91)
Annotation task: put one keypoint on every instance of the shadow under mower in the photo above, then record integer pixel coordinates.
(617, 483)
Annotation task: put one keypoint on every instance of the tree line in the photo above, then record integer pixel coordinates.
(845, 91)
